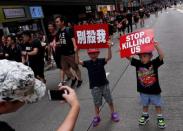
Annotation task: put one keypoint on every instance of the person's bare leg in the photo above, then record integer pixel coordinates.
(145, 109)
(62, 75)
(97, 111)
(111, 106)
(158, 110)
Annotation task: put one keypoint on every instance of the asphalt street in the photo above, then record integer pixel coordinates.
(46, 115)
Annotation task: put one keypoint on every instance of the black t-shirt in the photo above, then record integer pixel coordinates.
(147, 76)
(15, 54)
(39, 57)
(2, 52)
(111, 30)
(136, 18)
(129, 17)
(6, 49)
(64, 38)
(96, 72)
(141, 13)
(119, 18)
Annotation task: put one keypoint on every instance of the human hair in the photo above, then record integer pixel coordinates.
(13, 38)
(148, 53)
(62, 18)
(51, 23)
(27, 33)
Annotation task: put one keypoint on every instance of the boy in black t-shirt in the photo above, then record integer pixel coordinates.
(99, 84)
(148, 84)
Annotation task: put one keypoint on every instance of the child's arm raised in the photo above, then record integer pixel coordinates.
(77, 59)
(109, 54)
(160, 52)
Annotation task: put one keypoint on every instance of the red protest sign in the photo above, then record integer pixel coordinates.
(137, 42)
(91, 36)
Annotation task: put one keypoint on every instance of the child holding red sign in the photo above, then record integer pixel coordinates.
(148, 84)
(99, 84)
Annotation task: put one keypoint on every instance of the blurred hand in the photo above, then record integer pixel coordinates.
(70, 96)
(156, 43)
(24, 53)
(6, 55)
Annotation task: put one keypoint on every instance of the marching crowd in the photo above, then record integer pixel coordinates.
(33, 50)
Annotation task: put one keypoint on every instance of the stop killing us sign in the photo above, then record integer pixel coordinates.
(91, 36)
(137, 42)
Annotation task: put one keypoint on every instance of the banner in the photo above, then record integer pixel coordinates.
(137, 42)
(91, 36)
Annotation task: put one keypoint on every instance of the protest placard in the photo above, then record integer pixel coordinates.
(91, 36)
(138, 42)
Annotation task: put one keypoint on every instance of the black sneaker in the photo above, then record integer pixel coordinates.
(161, 122)
(79, 83)
(73, 82)
(143, 119)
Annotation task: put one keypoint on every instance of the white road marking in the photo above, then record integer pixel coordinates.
(181, 11)
(107, 74)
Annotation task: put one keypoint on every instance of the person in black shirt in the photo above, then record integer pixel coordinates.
(67, 46)
(141, 14)
(121, 23)
(6, 47)
(2, 53)
(156, 10)
(54, 49)
(3, 40)
(99, 84)
(148, 84)
(136, 19)
(129, 17)
(35, 55)
(15, 51)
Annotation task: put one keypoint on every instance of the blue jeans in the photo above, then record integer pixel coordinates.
(147, 99)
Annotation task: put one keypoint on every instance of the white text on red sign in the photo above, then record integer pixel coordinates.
(91, 36)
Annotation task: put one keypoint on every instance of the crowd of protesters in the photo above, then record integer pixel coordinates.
(25, 48)
(125, 20)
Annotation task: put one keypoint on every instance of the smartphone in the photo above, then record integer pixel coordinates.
(56, 95)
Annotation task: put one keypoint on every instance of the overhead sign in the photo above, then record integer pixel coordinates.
(10, 13)
(91, 36)
(137, 42)
(36, 12)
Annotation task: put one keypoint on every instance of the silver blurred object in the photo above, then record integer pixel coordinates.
(17, 82)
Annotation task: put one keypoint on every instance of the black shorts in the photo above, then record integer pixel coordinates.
(141, 17)
(57, 59)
